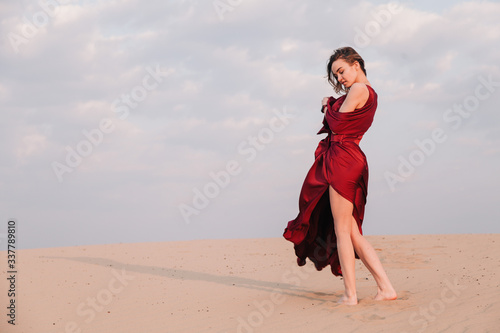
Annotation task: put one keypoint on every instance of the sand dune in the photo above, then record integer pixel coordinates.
(446, 283)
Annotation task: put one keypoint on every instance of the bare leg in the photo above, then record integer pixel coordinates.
(370, 259)
(342, 215)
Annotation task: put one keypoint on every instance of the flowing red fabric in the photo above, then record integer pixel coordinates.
(339, 162)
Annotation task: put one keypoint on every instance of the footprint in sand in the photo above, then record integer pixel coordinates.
(366, 317)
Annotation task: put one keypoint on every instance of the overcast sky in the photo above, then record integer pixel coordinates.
(118, 115)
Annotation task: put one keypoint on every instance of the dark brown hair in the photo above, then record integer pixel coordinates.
(349, 55)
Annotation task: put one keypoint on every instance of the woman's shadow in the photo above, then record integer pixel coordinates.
(183, 274)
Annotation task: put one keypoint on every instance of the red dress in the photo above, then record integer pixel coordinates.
(341, 163)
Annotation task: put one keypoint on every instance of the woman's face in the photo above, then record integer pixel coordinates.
(346, 74)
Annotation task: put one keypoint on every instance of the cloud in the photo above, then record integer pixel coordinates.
(226, 79)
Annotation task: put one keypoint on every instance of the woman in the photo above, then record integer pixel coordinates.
(327, 229)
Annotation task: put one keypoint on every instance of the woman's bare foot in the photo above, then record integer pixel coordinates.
(386, 295)
(348, 300)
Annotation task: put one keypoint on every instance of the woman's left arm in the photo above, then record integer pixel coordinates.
(356, 98)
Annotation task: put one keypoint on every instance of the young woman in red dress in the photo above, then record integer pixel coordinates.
(328, 229)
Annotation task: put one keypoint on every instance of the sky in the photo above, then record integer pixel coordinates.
(148, 121)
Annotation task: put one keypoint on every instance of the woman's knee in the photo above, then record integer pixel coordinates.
(342, 227)
(354, 228)
(356, 236)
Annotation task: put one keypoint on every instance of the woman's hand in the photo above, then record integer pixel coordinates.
(324, 102)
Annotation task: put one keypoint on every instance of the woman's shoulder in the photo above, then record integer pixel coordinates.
(362, 92)
(358, 96)
(359, 89)
(358, 92)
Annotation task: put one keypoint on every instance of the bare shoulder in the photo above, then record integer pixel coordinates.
(356, 97)
(358, 91)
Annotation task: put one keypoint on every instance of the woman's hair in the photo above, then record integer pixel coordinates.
(350, 56)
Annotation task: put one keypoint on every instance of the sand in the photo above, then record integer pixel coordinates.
(445, 283)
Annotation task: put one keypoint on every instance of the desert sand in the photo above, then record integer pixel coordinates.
(445, 283)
